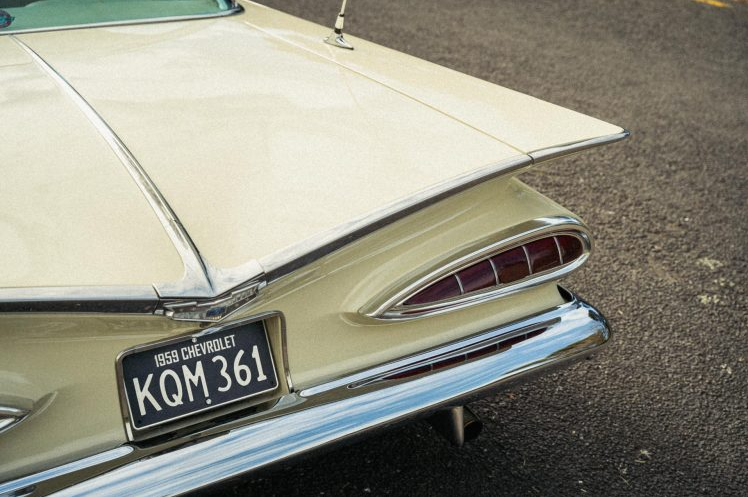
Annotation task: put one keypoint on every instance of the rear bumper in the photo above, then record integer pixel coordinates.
(337, 411)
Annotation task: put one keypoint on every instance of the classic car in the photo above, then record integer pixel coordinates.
(229, 239)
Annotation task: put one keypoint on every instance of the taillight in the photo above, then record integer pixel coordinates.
(524, 255)
(570, 248)
(477, 277)
(441, 290)
(509, 266)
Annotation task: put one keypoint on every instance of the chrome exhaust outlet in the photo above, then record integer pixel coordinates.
(457, 424)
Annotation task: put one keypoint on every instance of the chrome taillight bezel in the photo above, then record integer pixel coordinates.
(394, 307)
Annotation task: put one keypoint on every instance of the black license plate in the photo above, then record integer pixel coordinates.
(182, 377)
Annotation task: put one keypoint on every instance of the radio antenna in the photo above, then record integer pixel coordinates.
(336, 37)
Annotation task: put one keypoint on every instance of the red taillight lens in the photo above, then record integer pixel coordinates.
(477, 277)
(506, 267)
(543, 254)
(511, 265)
(571, 248)
(441, 290)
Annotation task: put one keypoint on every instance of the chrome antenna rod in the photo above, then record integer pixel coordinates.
(336, 37)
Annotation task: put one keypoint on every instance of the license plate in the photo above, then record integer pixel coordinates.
(181, 377)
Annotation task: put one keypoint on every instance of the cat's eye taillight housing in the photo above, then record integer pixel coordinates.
(529, 254)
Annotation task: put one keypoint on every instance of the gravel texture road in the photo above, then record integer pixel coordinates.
(664, 409)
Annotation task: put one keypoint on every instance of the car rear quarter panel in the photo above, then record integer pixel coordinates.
(66, 363)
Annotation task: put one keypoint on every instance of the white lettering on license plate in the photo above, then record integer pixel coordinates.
(194, 350)
(176, 385)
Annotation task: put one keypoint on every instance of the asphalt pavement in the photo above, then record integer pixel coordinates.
(664, 409)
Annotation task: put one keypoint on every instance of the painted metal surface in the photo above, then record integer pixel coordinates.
(249, 89)
(230, 131)
(525, 123)
(70, 215)
(195, 280)
(71, 356)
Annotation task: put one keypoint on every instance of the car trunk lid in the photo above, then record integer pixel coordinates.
(268, 144)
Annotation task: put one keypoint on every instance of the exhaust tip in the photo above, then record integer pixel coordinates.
(472, 425)
(457, 424)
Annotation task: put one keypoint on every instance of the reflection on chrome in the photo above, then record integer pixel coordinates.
(27, 485)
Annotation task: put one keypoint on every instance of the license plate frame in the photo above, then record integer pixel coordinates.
(253, 331)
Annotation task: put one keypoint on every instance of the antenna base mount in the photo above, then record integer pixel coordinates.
(337, 39)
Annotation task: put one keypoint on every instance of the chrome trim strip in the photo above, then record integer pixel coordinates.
(12, 411)
(558, 250)
(27, 484)
(226, 280)
(215, 309)
(6, 422)
(549, 153)
(495, 272)
(195, 282)
(11, 416)
(235, 9)
(393, 307)
(125, 299)
(527, 258)
(338, 413)
(459, 283)
(306, 252)
(495, 338)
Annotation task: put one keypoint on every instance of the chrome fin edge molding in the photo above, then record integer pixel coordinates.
(10, 416)
(196, 281)
(126, 300)
(549, 153)
(212, 310)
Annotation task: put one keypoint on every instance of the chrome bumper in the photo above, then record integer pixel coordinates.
(331, 413)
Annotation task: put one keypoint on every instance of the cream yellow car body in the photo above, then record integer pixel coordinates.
(333, 176)
(252, 99)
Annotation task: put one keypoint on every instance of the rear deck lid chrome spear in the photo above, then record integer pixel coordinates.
(336, 37)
